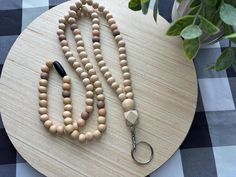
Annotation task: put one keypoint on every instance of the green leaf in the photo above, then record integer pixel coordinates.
(209, 27)
(191, 32)
(195, 3)
(225, 60)
(145, 6)
(179, 1)
(191, 47)
(230, 36)
(213, 67)
(135, 5)
(229, 30)
(210, 2)
(228, 14)
(194, 10)
(155, 10)
(177, 26)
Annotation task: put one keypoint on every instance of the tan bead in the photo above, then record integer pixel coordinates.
(76, 65)
(80, 43)
(122, 50)
(60, 129)
(66, 93)
(73, 7)
(105, 12)
(86, 81)
(126, 75)
(128, 89)
(80, 49)
(43, 103)
(101, 127)
(88, 66)
(89, 87)
(114, 85)
(81, 122)
(101, 63)
(95, 5)
(98, 90)
(122, 96)
(65, 49)
(96, 45)
(89, 136)
(94, 78)
(98, 57)
(95, 27)
(78, 37)
(53, 129)
(43, 82)
(119, 91)
(121, 43)
(111, 21)
(43, 96)
(75, 125)
(83, 55)
(79, 70)
(125, 69)
(62, 20)
(71, 60)
(68, 120)
(85, 61)
(127, 82)
(78, 4)
(60, 31)
(49, 63)
(100, 104)
(89, 109)
(66, 86)
(97, 134)
(111, 80)
(96, 21)
(104, 69)
(94, 15)
(75, 134)
(83, 75)
(131, 117)
(113, 27)
(89, 101)
(118, 38)
(44, 75)
(101, 8)
(97, 51)
(42, 89)
(130, 95)
(66, 17)
(128, 104)
(43, 110)
(68, 54)
(67, 100)
(89, 94)
(66, 79)
(122, 57)
(108, 16)
(102, 112)
(123, 63)
(92, 72)
(69, 128)
(44, 117)
(107, 74)
(97, 84)
(47, 123)
(67, 114)
(100, 97)
(64, 43)
(82, 138)
(71, 20)
(101, 120)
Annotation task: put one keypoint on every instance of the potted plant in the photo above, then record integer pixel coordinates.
(200, 22)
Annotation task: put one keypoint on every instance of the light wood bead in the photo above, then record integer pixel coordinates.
(122, 50)
(62, 26)
(43, 110)
(127, 82)
(71, 60)
(75, 125)
(121, 43)
(60, 31)
(98, 90)
(66, 79)
(45, 69)
(118, 38)
(111, 21)
(101, 127)
(105, 12)
(66, 114)
(69, 128)
(71, 20)
(76, 65)
(95, 21)
(81, 122)
(43, 82)
(73, 7)
(89, 136)
(83, 55)
(97, 51)
(97, 84)
(47, 123)
(96, 45)
(104, 69)
(49, 63)
(62, 20)
(72, 13)
(109, 16)
(128, 104)
(53, 129)
(113, 27)
(128, 89)
(68, 54)
(68, 120)
(88, 66)
(107, 74)
(65, 49)
(75, 134)
(86, 81)
(79, 70)
(125, 69)
(101, 120)
(43, 96)
(123, 63)
(100, 97)
(78, 37)
(89, 94)
(60, 129)
(78, 4)
(68, 107)
(89, 101)
(67, 100)
(66, 17)
(111, 80)
(130, 95)
(43, 103)
(82, 138)
(101, 63)
(126, 75)
(94, 15)
(97, 134)
(83, 75)
(122, 97)
(92, 72)
(98, 57)
(85, 61)
(42, 89)
(95, 5)
(80, 43)
(114, 85)
(94, 78)
(44, 117)
(101, 8)
(66, 86)
(102, 112)
(119, 91)
(80, 49)
(95, 27)
(89, 109)
(64, 43)
(89, 87)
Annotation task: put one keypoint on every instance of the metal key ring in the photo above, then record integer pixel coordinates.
(134, 149)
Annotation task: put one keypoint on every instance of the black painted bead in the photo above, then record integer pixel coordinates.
(59, 68)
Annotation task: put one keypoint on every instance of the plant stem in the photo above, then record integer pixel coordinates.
(198, 12)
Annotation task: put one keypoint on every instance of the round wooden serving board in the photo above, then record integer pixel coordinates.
(164, 85)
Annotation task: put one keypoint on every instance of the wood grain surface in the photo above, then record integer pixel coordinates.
(164, 83)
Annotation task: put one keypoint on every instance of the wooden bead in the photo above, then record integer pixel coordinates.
(60, 129)
(122, 50)
(89, 87)
(89, 101)
(79, 70)
(114, 85)
(100, 104)
(81, 122)
(75, 125)
(73, 7)
(65, 49)
(42, 89)
(82, 138)
(72, 13)
(101, 120)
(43, 110)
(96, 45)
(66, 86)
(62, 37)
(68, 120)
(71, 20)
(128, 89)
(43, 103)
(97, 84)
(89, 136)
(66, 114)
(43, 96)
(107, 74)
(89, 109)
(127, 82)
(86, 81)
(47, 123)
(95, 38)
(118, 38)
(69, 128)
(92, 72)
(53, 129)
(49, 64)
(75, 134)
(85, 115)
(85, 61)
(105, 12)
(108, 16)
(111, 80)
(100, 97)
(121, 43)
(128, 104)
(62, 20)
(80, 49)
(97, 51)
(94, 15)
(88, 66)
(83, 75)
(71, 60)
(130, 95)
(94, 78)
(83, 55)
(119, 91)
(67, 79)
(78, 4)
(60, 31)
(95, 27)
(78, 37)
(95, 5)
(116, 32)
(66, 93)
(43, 82)
(95, 21)
(97, 134)
(64, 43)
(80, 43)
(122, 96)
(67, 100)
(98, 90)
(102, 112)
(76, 65)
(101, 127)
(126, 75)
(101, 8)
(98, 57)
(44, 117)
(89, 94)
(113, 27)
(44, 75)
(123, 63)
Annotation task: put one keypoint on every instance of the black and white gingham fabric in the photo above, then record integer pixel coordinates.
(209, 149)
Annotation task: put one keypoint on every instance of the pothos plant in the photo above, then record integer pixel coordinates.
(204, 18)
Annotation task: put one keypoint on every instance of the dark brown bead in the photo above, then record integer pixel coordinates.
(85, 115)
(96, 39)
(73, 26)
(44, 75)
(62, 37)
(66, 93)
(100, 104)
(115, 32)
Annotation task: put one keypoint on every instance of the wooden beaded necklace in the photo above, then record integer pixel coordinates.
(90, 80)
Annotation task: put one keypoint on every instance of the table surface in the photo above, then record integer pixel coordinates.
(209, 150)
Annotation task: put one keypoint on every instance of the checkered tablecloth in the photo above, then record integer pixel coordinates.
(210, 147)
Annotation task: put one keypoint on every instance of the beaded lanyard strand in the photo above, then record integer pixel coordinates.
(90, 80)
